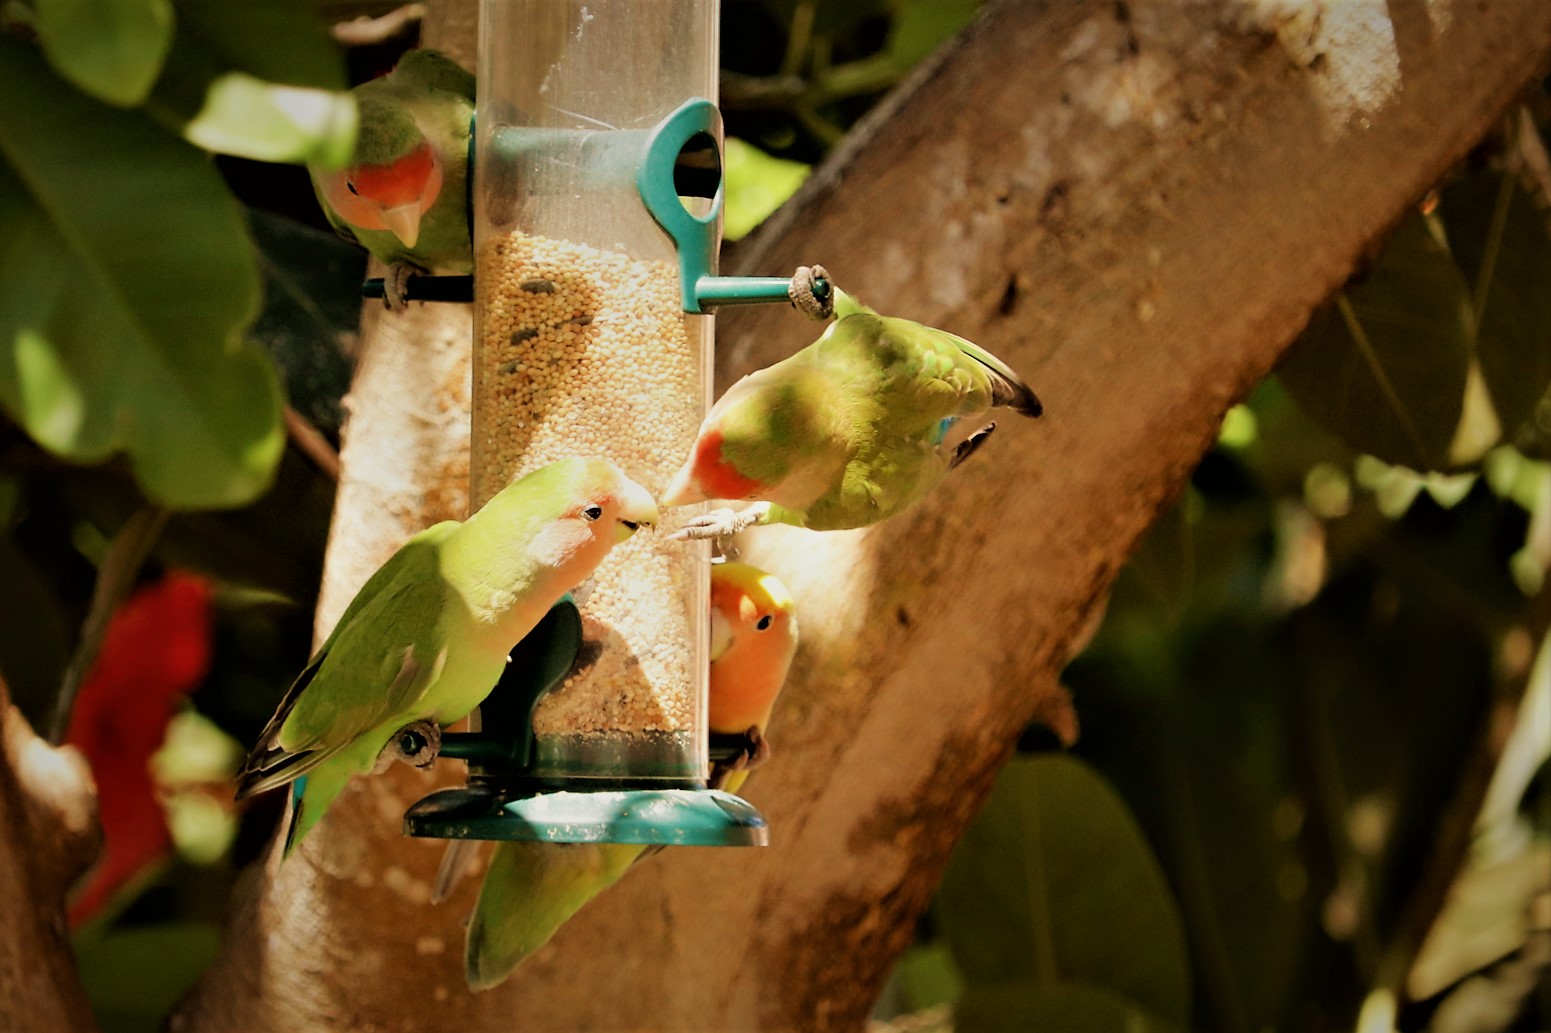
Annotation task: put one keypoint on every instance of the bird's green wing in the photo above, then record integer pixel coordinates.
(380, 658)
(425, 71)
(531, 890)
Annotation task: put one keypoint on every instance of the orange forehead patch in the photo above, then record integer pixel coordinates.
(400, 183)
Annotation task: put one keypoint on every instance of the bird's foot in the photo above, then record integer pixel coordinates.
(753, 749)
(395, 286)
(966, 448)
(418, 744)
(720, 523)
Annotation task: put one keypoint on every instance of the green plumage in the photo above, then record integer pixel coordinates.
(849, 431)
(427, 636)
(429, 97)
(531, 890)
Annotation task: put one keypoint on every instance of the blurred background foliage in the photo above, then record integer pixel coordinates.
(1309, 790)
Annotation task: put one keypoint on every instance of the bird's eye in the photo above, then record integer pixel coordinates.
(763, 623)
(593, 512)
(351, 187)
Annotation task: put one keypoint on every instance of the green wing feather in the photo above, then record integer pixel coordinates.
(530, 891)
(358, 678)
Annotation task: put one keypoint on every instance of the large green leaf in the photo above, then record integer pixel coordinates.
(1054, 884)
(1031, 1008)
(1385, 367)
(1502, 245)
(134, 977)
(126, 278)
(261, 81)
(112, 49)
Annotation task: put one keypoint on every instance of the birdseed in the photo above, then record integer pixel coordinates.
(585, 352)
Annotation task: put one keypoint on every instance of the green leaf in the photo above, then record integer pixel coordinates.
(757, 184)
(921, 26)
(251, 118)
(1054, 884)
(134, 977)
(1026, 1007)
(1502, 245)
(34, 646)
(112, 49)
(1385, 367)
(260, 81)
(126, 277)
(282, 41)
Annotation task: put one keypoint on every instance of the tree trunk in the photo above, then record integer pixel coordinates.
(48, 837)
(1137, 205)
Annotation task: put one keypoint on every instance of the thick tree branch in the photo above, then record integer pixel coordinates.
(48, 837)
(1136, 204)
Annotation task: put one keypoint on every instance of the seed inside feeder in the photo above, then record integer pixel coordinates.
(582, 351)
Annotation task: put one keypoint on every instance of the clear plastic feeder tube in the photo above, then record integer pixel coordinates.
(582, 347)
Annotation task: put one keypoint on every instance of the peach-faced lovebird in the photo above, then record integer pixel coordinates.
(403, 196)
(427, 636)
(532, 889)
(846, 432)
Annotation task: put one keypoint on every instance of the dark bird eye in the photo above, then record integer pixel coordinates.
(593, 512)
(351, 187)
(763, 623)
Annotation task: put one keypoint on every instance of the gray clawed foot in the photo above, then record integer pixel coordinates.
(755, 750)
(417, 744)
(720, 523)
(395, 286)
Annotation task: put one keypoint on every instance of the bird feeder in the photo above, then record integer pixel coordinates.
(596, 220)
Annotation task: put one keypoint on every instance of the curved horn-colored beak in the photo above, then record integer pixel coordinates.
(636, 509)
(721, 634)
(682, 490)
(404, 222)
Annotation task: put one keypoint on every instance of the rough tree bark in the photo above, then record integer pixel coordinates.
(48, 837)
(1137, 204)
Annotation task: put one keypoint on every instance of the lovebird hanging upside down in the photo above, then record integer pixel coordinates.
(403, 196)
(846, 432)
(427, 637)
(531, 889)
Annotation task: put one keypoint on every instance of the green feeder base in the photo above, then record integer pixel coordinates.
(668, 817)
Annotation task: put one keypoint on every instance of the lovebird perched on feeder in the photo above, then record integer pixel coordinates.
(426, 638)
(403, 196)
(846, 432)
(531, 889)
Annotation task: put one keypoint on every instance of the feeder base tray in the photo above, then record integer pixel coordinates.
(670, 817)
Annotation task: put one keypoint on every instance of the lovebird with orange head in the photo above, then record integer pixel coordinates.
(532, 889)
(403, 196)
(848, 431)
(427, 636)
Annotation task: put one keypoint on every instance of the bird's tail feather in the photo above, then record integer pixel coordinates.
(1007, 388)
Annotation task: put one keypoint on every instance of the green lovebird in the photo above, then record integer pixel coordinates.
(403, 196)
(427, 637)
(532, 889)
(848, 431)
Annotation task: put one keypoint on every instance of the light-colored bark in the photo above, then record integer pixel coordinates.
(48, 837)
(1137, 205)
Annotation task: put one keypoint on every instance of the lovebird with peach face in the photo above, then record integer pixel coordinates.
(532, 889)
(403, 196)
(427, 636)
(848, 431)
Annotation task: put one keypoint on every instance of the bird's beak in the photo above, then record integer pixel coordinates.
(404, 222)
(721, 634)
(636, 510)
(683, 490)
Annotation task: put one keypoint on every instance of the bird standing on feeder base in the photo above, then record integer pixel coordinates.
(532, 889)
(427, 637)
(404, 196)
(848, 431)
